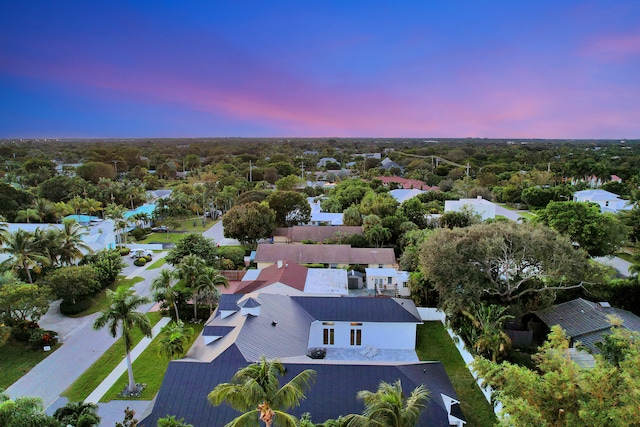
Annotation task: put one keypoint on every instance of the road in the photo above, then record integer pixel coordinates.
(507, 213)
(82, 346)
(216, 232)
(619, 264)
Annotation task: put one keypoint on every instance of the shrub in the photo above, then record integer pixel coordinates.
(138, 233)
(39, 338)
(148, 258)
(21, 331)
(69, 309)
(124, 251)
(140, 262)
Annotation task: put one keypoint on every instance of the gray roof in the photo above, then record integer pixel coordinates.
(249, 303)
(217, 331)
(586, 321)
(186, 384)
(359, 309)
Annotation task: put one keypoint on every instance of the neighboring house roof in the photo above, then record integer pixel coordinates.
(596, 195)
(401, 195)
(335, 219)
(316, 233)
(387, 164)
(407, 184)
(586, 321)
(287, 272)
(186, 385)
(325, 254)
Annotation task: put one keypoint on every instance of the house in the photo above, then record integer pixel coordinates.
(319, 218)
(385, 279)
(367, 340)
(609, 202)
(402, 195)
(323, 162)
(99, 234)
(584, 321)
(407, 184)
(333, 256)
(484, 208)
(388, 164)
(319, 233)
(288, 278)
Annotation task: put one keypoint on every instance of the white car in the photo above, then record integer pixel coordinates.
(139, 253)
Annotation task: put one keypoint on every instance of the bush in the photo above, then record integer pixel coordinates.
(39, 338)
(138, 233)
(124, 251)
(69, 309)
(21, 331)
(148, 258)
(140, 262)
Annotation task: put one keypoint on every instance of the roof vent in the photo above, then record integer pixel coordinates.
(604, 304)
(274, 323)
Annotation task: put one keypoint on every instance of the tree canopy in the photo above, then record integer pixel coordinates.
(561, 393)
(249, 222)
(501, 261)
(600, 234)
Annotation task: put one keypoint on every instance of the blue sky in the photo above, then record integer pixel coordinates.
(524, 69)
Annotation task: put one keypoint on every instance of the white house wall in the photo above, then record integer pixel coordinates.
(393, 336)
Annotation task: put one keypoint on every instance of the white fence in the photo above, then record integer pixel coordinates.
(433, 314)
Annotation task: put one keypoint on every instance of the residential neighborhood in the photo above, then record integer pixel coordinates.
(161, 301)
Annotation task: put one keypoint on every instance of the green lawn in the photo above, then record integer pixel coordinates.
(434, 343)
(100, 299)
(16, 359)
(162, 238)
(527, 215)
(92, 377)
(149, 368)
(157, 264)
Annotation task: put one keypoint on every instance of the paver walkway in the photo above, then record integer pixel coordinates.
(111, 379)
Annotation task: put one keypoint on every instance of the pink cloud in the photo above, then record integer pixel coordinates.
(617, 47)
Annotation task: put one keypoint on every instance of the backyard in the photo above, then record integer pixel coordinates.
(434, 343)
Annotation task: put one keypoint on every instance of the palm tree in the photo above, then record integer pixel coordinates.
(71, 243)
(116, 213)
(47, 242)
(189, 269)
(207, 286)
(488, 337)
(173, 339)
(171, 421)
(4, 230)
(163, 288)
(255, 390)
(19, 245)
(92, 206)
(121, 314)
(78, 414)
(388, 406)
(43, 208)
(27, 215)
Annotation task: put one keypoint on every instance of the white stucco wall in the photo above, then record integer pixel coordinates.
(399, 336)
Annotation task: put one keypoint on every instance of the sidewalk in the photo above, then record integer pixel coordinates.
(111, 379)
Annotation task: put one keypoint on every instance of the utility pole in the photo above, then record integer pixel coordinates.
(467, 169)
(302, 171)
(250, 172)
(115, 165)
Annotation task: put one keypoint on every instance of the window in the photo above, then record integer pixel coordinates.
(356, 336)
(389, 281)
(333, 265)
(328, 336)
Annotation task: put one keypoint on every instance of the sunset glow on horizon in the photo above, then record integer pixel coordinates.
(526, 69)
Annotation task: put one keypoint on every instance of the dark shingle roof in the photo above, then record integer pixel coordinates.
(359, 309)
(186, 384)
(324, 254)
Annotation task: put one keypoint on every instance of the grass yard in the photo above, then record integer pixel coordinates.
(434, 343)
(157, 264)
(16, 359)
(92, 377)
(149, 368)
(188, 224)
(100, 299)
(527, 215)
(162, 238)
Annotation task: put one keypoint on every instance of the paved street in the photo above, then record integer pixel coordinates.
(619, 264)
(82, 345)
(216, 232)
(507, 213)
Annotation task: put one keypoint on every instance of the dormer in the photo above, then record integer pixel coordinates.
(249, 307)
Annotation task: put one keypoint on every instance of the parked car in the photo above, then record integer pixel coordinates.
(160, 229)
(139, 253)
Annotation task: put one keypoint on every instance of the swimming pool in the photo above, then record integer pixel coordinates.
(147, 208)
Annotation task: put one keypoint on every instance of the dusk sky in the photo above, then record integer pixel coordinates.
(449, 68)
